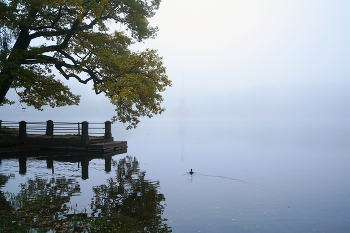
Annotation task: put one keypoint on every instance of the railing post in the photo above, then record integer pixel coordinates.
(22, 129)
(49, 128)
(0, 124)
(108, 130)
(84, 130)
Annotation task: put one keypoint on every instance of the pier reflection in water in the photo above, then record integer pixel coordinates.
(81, 159)
(40, 201)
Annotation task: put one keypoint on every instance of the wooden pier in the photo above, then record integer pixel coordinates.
(62, 136)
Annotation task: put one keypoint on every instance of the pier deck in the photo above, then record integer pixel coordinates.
(100, 147)
(59, 136)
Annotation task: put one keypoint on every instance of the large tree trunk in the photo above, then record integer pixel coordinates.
(15, 58)
(5, 85)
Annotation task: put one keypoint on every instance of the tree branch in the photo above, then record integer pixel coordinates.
(58, 32)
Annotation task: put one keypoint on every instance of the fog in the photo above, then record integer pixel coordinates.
(242, 63)
(260, 94)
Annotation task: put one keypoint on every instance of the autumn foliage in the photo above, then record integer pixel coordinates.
(43, 41)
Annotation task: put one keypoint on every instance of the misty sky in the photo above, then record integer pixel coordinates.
(240, 61)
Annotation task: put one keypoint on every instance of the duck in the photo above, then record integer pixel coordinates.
(191, 172)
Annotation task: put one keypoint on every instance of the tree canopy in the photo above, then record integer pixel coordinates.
(43, 41)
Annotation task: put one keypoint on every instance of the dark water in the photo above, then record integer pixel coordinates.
(246, 179)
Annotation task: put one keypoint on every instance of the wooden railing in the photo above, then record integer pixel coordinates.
(50, 128)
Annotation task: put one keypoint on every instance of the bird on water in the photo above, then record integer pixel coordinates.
(191, 172)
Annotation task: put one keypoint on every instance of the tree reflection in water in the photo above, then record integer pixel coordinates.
(126, 203)
(41, 204)
(130, 200)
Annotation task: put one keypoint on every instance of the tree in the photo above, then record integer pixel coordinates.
(85, 40)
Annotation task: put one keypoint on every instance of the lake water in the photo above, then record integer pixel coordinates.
(246, 179)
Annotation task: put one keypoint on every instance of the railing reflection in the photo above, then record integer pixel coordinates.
(82, 159)
(22, 160)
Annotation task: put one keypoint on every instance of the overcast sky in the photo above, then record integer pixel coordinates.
(241, 61)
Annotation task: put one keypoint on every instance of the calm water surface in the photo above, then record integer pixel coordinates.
(272, 179)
